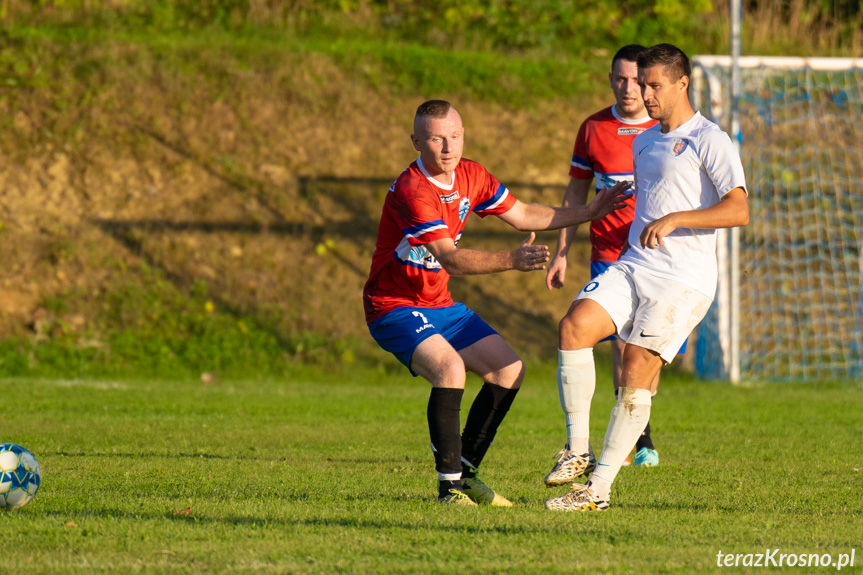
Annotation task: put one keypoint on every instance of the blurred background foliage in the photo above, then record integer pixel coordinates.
(832, 27)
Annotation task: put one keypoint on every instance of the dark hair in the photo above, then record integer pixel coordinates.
(433, 109)
(674, 62)
(629, 53)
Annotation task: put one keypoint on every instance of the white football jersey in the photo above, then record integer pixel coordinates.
(689, 168)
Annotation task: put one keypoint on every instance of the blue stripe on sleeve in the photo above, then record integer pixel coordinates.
(423, 228)
(581, 163)
(492, 202)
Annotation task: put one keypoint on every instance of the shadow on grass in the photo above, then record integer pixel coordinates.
(429, 516)
(240, 456)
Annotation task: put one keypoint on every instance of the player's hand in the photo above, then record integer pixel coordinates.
(653, 233)
(530, 257)
(608, 200)
(556, 274)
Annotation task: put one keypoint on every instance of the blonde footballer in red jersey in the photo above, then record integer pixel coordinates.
(411, 313)
(427, 211)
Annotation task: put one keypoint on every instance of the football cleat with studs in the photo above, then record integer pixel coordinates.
(581, 498)
(456, 497)
(482, 494)
(570, 466)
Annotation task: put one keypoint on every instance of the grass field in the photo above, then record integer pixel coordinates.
(330, 473)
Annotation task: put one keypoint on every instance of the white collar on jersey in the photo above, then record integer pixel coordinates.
(441, 185)
(623, 120)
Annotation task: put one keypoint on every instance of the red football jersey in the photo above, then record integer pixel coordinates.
(603, 151)
(418, 210)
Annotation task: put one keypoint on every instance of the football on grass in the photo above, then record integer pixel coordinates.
(19, 476)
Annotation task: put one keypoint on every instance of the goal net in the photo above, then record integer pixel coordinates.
(796, 282)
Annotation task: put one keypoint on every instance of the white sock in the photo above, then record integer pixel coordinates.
(576, 382)
(448, 476)
(628, 418)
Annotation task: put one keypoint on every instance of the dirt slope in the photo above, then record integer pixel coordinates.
(263, 185)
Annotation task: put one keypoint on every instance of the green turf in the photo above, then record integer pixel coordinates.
(330, 473)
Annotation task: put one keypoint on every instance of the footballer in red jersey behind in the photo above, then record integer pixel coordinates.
(603, 152)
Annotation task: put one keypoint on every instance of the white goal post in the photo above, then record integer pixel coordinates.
(789, 305)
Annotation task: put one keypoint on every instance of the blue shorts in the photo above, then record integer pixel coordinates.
(403, 329)
(596, 268)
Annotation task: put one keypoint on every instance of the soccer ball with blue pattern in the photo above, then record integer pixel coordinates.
(19, 476)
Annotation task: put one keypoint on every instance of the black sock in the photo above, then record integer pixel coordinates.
(644, 439)
(486, 414)
(443, 419)
(445, 486)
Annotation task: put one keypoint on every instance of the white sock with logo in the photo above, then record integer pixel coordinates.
(576, 382)
(628, 418)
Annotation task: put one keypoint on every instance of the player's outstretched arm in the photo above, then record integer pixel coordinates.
(535, 217)
(575, 196)
(461, 261)
(731, 211)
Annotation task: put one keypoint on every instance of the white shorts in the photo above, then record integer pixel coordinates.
(648, 311)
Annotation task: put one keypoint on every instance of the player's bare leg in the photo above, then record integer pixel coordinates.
(494, 361)
(585, 324)
(438, 362)
(502, 372)
(617, 362)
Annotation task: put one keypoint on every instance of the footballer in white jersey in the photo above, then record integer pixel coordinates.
(689, 168)
(689, 182)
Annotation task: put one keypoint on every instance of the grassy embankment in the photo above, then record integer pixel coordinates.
(207, 201)
(193, 187)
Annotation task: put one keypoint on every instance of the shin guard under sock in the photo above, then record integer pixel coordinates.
(486, 414)
(443, 420)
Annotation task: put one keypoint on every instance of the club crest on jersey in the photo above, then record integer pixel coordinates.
(605, 180)
(679, 147)
(463, 208)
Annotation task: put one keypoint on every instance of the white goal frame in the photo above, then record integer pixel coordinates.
(722, 109)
